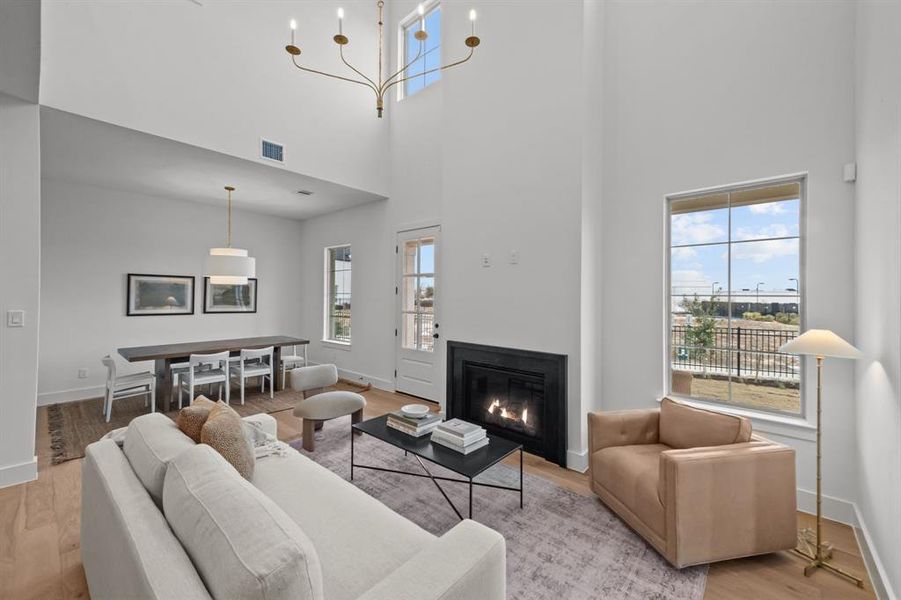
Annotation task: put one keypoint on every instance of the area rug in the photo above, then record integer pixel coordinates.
(560, 546)
(74, 425)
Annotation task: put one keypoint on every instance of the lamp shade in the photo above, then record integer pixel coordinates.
(230, 266)
(821, 342)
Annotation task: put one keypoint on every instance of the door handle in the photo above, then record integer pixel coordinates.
(435, 335)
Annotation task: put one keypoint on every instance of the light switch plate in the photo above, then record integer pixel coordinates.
(15, 318)
(486, 260)
(514, 257)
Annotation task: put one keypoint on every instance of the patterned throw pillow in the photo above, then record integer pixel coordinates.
(224, 432)
(191, 418)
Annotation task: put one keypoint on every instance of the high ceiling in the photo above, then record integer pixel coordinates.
(81, 150)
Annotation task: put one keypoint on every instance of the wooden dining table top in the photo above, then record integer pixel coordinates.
(164, 351)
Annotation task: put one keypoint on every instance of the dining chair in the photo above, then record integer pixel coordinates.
(177, 371)
(126, 386)
(293, 360)
(205, 369)
(255, 363)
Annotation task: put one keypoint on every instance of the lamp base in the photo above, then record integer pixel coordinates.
(820, 557)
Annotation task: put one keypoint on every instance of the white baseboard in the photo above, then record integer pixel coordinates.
(878, 577)
(73, 395)
(20, 473)
(355, 376)
(834, 509)
(577, 461)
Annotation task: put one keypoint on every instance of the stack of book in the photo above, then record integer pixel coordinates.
(415, 427)
(460, 436)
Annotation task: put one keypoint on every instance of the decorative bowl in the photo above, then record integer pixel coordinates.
(414, 411)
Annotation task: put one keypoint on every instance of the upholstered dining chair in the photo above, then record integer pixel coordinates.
(319, 405)
(126, 386)
(255, 363)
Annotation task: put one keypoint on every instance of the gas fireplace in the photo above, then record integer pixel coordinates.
(516, 394)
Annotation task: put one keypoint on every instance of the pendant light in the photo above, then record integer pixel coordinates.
(230, 266)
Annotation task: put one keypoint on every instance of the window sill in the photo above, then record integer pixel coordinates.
(336, 345)
(782, 425)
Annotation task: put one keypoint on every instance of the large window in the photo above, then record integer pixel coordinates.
(736, 295)
(421, 56)
(337, 294)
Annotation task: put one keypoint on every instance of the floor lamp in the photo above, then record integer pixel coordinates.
(820, 343)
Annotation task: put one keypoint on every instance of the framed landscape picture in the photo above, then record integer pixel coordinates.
(229, 298)
(149, 295)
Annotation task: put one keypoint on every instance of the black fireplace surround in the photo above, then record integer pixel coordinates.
(519, 395)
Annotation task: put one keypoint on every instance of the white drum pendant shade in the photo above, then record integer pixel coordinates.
(230, 266)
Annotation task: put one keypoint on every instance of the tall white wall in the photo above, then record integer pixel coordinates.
(703, 94)
(93, 237)
(878, 281)
(494, 158)
(216, 75)
(20, 231)
(20, 222)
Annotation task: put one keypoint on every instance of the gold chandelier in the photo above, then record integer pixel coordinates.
(380, 86)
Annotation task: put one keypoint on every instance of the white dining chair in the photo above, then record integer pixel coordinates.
(205, 369)
(293, 360)
(126, 386)
(255, 363)
(177, 371)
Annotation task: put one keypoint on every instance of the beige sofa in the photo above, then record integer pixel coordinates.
(696, 484)
(165, 518)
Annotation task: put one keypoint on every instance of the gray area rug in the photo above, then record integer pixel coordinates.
(560, 546)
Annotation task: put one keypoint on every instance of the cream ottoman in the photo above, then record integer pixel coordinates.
(319, 406)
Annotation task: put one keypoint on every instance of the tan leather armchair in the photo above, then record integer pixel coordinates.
(696, 484)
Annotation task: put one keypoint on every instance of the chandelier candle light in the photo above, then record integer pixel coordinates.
(229, 266)
(381, 85)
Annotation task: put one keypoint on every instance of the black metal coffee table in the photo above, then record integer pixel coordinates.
(466, 465)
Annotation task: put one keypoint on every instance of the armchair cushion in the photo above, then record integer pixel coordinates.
(630, 474)
(683, 426)
(622, 428)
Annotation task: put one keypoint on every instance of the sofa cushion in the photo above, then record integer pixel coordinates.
(683, 426)
(224, 432)
(630, 473)
(242, 544)
(352, 531)
(191, 418)
(151, 441)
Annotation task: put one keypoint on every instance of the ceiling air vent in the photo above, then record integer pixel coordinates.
(272, 150)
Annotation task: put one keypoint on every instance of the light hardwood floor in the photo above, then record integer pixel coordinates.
(39, 533)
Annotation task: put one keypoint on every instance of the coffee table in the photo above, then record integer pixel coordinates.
(465, 465)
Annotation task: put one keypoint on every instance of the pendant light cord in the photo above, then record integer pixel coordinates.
(228, 239)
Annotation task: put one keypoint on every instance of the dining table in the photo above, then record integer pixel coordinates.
(164, 355)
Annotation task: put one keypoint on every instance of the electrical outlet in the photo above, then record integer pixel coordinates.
(82, 373)
(486, 260)
(514, 257)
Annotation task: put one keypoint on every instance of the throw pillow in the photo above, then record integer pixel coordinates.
(224, 432)
(191, 418)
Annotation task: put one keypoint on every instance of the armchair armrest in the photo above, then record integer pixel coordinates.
(622, 428)
(469, 561)
(728, 501)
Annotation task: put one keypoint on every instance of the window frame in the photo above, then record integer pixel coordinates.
(428, 7)
(328, 301)
(800, 418)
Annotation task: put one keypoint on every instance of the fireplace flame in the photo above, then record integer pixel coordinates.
(496, 408)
